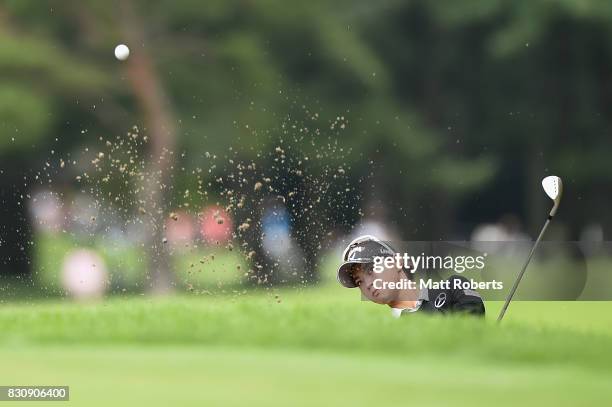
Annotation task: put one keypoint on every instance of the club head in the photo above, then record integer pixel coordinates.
(553, 186)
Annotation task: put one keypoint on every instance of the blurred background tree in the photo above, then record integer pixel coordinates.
(454, 110)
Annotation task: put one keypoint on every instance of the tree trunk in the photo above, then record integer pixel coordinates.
(161, 132)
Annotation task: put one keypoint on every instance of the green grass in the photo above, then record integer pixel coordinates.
(317, 346)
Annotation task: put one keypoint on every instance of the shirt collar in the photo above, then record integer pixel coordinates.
(424, 294)
(397, 312)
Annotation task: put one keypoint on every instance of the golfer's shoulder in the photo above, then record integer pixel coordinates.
(463, 297)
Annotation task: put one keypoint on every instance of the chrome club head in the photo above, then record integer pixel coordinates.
(553, 186)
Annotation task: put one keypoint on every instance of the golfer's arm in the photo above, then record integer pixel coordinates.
(471, 307)
(467, 301)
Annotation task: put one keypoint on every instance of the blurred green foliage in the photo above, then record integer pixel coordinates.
(461, 106)
(210, 269)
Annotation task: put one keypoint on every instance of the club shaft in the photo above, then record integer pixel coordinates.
(520, 276)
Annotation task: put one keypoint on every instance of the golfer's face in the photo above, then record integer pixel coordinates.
(365, 277)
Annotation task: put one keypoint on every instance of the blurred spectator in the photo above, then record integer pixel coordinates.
(278, 245)
(375, 224)
(593, 232)
(275, 225)
(83, 214)
(492, 237)
(507, 229)
(591, 238)
(489, 232)
(216, 225)
(180, 229)
(84, 274)
(46, 210)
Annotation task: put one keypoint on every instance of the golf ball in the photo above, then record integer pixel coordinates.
(122, 52)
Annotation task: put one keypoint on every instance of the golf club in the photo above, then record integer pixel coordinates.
(554, 188)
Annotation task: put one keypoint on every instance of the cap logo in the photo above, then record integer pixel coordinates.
(354, 251)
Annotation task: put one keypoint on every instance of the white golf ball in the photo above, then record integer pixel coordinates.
(122, 52)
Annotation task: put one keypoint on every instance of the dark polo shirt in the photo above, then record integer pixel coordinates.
(449, 301)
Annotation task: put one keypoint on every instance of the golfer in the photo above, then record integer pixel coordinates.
(357, 271)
